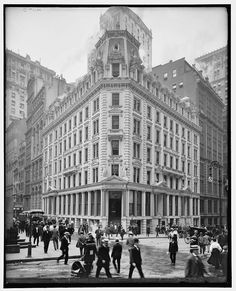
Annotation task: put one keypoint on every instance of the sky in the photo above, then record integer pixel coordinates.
(60, 38)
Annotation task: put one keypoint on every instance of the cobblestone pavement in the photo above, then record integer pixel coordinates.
(156, 262)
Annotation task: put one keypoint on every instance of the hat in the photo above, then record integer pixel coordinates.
(117, 240)
(106, 240)
(225, 247)
(66, 233)
(194, 247)
(130, 232)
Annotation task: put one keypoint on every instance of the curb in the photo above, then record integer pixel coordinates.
(26, 260)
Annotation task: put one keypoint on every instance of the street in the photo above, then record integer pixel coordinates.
(156, 265)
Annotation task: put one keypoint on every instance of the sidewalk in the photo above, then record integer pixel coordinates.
(37, 253)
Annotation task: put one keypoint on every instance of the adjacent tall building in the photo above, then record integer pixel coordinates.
(191, 86)
(120, 147)
(19, 69)
(214, 66)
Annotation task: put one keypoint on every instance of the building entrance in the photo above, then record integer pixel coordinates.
(114, 216)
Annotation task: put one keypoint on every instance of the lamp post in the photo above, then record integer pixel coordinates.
(217, 165)
(30, 244)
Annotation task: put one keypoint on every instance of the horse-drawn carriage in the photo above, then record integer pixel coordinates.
(190, 232)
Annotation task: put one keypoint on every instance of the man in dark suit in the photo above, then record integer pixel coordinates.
(135, 259)
(116, 255)
(194, 266)
(46, 238)
(64, 247)
(36, 234)
(103, 259)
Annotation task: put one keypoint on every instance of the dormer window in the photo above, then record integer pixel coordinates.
(116, 47)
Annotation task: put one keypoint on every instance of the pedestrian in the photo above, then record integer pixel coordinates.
(224, 260)
(194, 266)
(122, 233)
(194, 239)
(81, 242)
(206, 242)
(64, 248)
(222, 239)
(215, 250)
(157, 230)
(173, 249)
(130, 240)
(98, 234)
(201, 243)
(46, 238)
(116, 255)
(71, 230)
(171, 234)
(90, 252)
(55, 237)
(103, 259)
(36, 234)
(148, 230)
(135, 259)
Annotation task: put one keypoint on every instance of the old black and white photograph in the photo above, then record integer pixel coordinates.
(117, 161)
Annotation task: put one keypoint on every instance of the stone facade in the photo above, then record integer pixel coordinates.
(120, 148)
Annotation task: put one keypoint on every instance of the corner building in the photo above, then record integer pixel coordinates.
(120, 148)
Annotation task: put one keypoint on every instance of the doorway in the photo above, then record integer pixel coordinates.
(114, 216)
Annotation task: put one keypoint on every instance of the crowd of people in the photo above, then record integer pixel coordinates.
(92, 246)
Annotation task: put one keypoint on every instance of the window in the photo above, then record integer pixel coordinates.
(86, 133)
(148, 179)
(80, 181)
(183, 149)
(195, 139)
(95, 151)
(64, 145)
(157, 136)
(165, 121)
(157, 177)
(65, 128)
(165, 160)
(183, 166)
(86, 113)
(174, 87)
(149, 155)
(165, 76)
(136, 104)
(55, 134)
(136, 175)
(149, 112)
(61, 131)
(157, 157)
(22, 106)
(157, 116)
(176, 128)
(95, 175)
(115, 122)
(115, 170)
(171, 142)
(136, 126)
(195, 155)
(115, 147)
(75, 121)
(183, 132)
(74, 159)
(136, 150)
(181, 84)
(60, 148)
(115, 70)
(80, 157)
(86, 155)
(74, 139)
(81, 117)
(189, 136)
(69, 161)
(195, 171)
(115, 99)
(80, 136)
(174, 73)
(64, 163)
(188, 151)
(171, 125)
(165, 140)
(189, 169)
(70, 124)
(96, 127)
(171, 162)
(149, 132)
(69, 142)
(177, 164)
(177, 145)
(86, 178)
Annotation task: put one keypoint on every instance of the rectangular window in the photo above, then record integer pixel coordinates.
(86, 113)
(69, 161)
(81, 117)
(174, 73)
(188, 151)
(136, 150)
(177, 145)
(171, 162)
(157, 136)
(69, 142)
(115, 70)
(115, 122)
(195, 155)
(115, 147)
(136, 127)
(64, 145)
(148, 155)
(148, 179)
(115, 99)
(149, 132)
(70, 124)
(86, 133)
(157, 158)
(74, 139)
(189, 169)
(85, 177)
(80, 136)
(75, 121)
(136, 175)
(96, 127)
(115, 170)
(171, 125)
(64, 163)
(74, 158)
(177, 164)
(65, 128)
(165, 160)
(171, 142)
(149, 112)
(189, 136)
(95, 151)
(165, 140)
(157, 116)
(195, 139)
(136, 104)
(183, 132)
(95, 175)
(79, 178)
(86, 155)
(165, 76)
(96, 105)
(165, 121)
(183, 149)
(183, 166)
(80, 157)
(177, 128)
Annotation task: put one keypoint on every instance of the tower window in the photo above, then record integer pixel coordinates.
(115, 70)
